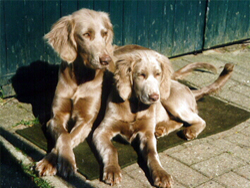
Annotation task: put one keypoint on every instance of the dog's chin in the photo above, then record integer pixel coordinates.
(96, 65)
(147, 101)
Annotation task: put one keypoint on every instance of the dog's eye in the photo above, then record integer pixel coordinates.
(104, 34)
(157, 74)
(86, 35)
(142, 75)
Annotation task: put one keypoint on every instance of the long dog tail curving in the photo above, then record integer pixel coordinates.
(215, 86)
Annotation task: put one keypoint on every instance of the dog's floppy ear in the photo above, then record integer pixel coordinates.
(123, 78)
(110, 34)
(167, 72)
(61, 38)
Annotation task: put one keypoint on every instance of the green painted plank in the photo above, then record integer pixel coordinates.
(243, 22)
(101, 5)
(33, 31)
(68, 7)
(3, 57)
(155, 25)
(190, 23)
(85, 4)
(228, 21)
(142, 26)
(179, 27)
(129, 27)
(216, 23)
(116, 16)
(232, 17)
(15, 23)
(168, 24)
(51, 15)
(200, 25)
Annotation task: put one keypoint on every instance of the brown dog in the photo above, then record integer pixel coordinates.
(84, 42)
(135, 110)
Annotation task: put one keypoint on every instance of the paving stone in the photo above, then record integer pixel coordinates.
(233, 149)
(197, 153)
(127, 182)
(236, 98)
(211, 184)
(135, 172)
(174, 149)
(218, 165)
(184, 174)
(246, 131)
(240, 139)
(231, 179)
(244, 171)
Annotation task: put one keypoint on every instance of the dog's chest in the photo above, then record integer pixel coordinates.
(139, 122)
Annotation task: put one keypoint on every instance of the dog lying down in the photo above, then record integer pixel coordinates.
(136, 109)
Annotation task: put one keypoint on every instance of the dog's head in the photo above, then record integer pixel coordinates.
(144, 72)
(85, 33)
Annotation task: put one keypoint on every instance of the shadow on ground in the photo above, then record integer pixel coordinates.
(35, 84)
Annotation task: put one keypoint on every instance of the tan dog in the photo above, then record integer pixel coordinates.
(84, 42)
(133, 110)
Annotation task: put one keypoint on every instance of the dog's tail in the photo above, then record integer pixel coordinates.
(221, 80)
(179, 74)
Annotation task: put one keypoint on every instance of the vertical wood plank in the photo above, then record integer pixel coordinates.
(178, 44)
(16, 42)
(68, 7)
(243, 25)
(155, 26)
(200, 26)
(142, 26)
(189, 25)
(168, 27)
(85, 4)
(232, 16)
(33, 47)
(101, 5)
(129, 29)
(52, 14)
(3, 57)
(116, 16)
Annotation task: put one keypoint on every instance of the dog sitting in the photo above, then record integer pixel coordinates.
(84, 42)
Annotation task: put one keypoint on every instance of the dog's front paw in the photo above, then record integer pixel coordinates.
(47, 166)
(160, 131)
(164, 128)
(112, 175)
(162, 179)
(189, 133)
(66, 165)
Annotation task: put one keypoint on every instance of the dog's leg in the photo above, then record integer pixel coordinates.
(85, 113)
(165, 127)
(186, 114)
(197, 124)
(148, 147)
(111, 170)
(57, 129)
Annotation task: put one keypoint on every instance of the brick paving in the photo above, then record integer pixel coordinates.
(218, 161)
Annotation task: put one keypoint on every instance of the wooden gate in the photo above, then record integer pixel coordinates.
(172, 27)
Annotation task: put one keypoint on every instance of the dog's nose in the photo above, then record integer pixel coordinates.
(154, 97)
(105, 59)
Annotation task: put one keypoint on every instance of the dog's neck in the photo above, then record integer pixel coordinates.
(81, 73)
(136, 105)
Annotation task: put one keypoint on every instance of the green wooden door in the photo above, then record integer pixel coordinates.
(172, 27)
